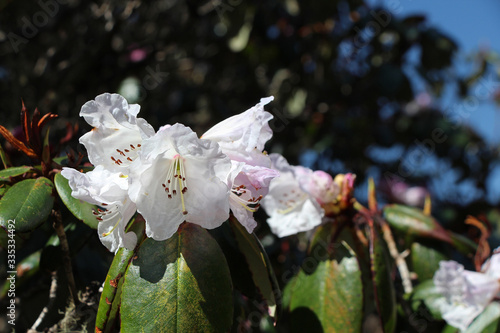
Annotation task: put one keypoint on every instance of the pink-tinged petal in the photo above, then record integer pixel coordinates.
(242, 137)
(319, 184)
(180, 178)
(249, 184)
(290, 208)
(117, 135)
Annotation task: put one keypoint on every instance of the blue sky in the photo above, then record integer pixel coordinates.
(472, 24)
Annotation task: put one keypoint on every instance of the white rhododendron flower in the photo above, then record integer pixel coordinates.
(108, 190)
(242, 137)
(291, 209)
(465, 293)
(179, 177)
(112, 146)
(249, 184)
(117, 135)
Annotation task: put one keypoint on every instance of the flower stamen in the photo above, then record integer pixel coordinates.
(177, 171)
(129, 154)
(103, 215)
(242, 197)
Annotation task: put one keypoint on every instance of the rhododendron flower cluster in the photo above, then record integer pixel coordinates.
(170, 176)
(466, 293)
(299, 199)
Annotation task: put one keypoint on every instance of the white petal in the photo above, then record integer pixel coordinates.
(207, 197)
(110, 191)
(112, 230)
(117, 134)
(97, 186)
(291, 210)
(465, 293)
(242, 137)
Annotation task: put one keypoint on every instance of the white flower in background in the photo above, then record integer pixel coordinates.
(291, 209)
(108, 190)
(117, 135)
(242, 137)
(249, 184)
(179, 177)
(465, 293)
(318, 184)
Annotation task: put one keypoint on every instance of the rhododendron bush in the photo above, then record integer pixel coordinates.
(178, 213)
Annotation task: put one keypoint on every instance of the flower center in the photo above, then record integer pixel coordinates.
(125, 156)
(241, 195)
(175, 183)
(291, 200)
(110, 213)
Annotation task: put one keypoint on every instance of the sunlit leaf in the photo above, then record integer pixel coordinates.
(181, 284)
(14, 172)
(28, 203)
(327, 293)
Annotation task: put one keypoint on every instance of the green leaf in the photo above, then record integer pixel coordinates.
(111, 293)
(413, 221)
(259, 265)
(426, 295)
(80, 209)
(3, 189)
(385, 294)
(327, 293)
(181, 284)
(5, 174)
(488, 321)
(110, 301)
(425, 260)
(28, 203)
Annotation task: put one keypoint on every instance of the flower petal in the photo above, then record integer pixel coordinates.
(242, 137)
(172, 159)
(249, 185)
(117, 134)
(110, 191)
(290, 208)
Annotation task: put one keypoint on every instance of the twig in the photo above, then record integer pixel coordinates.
(59, 228)
(50, 303)
(399, 258)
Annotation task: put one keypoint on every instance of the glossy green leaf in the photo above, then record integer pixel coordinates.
(28, 203)
(181, 284)
(5, 174)
(3, 189)
(425, 294)
(327, 293)
(80, 209)
(425, 260)
(259, 266)
(110, 301)
(488, 321)
(385, 294)
(413, 221)
(111, 293)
